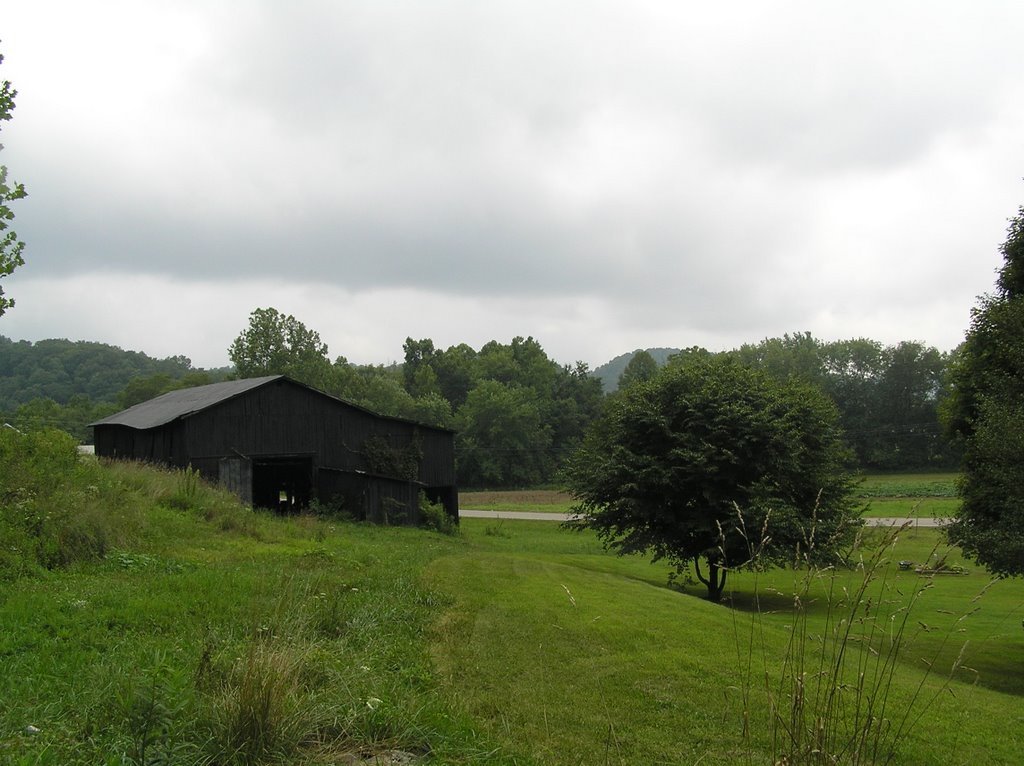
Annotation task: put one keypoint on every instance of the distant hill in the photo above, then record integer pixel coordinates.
(60, 369)
(609, 372)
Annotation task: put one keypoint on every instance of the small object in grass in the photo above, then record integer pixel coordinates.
(385, 758)
(905, 565)
(31, 730)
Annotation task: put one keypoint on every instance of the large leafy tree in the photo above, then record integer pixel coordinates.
(696, 463)
(798, 355)
(503, 440)
(418, 375)
(279, 344)
(576, 400)
(905, 412)
(853, 369)
(985, 411)
(456, 371)
(10, 246)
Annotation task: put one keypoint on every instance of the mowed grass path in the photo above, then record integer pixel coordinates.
(579, 658)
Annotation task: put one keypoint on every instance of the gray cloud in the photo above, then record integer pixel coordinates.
(735, 172)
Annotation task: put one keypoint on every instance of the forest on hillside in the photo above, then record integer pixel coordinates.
(518, 413)
(69, 384)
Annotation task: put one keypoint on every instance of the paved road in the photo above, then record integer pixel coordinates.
(916, 521)
(538, 516)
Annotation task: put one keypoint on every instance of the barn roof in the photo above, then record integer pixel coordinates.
(188, 401)
(181, 403)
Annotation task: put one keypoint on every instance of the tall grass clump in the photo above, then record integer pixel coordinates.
(58, 507)
(186, 494)
(258, 712)
(833, 695)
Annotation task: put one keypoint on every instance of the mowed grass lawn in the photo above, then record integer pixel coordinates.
(579, 657)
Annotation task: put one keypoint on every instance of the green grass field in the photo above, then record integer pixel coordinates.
(925, 495)
(591, 659)
(908, 485)
(910, 495)
(543, 501)
(209, 634)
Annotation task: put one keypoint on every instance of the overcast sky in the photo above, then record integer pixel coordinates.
(603, 176)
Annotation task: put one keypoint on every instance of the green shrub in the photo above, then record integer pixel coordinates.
(55, 507)
(333, 508)
(434, 516)
(153, 710)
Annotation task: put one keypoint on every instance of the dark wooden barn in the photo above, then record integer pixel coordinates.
(280, 444)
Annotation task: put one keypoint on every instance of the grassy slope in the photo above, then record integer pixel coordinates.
(224, 636)
(517, 643)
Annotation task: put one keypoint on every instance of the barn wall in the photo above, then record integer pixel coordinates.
(372, 498)
(235, 475)
(286, 418)
(155, 445)
(438, 468)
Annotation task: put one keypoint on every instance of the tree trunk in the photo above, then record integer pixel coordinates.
(714, 582)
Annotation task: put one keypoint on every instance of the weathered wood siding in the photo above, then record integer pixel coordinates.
(284, 418)
(155, 445)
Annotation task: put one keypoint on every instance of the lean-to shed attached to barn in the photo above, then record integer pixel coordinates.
(280, 444)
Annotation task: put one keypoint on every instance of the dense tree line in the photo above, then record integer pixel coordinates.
(517, 412)
(889, 397)
(61, 369)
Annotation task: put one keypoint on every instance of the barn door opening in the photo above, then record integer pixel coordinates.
(282, 484)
